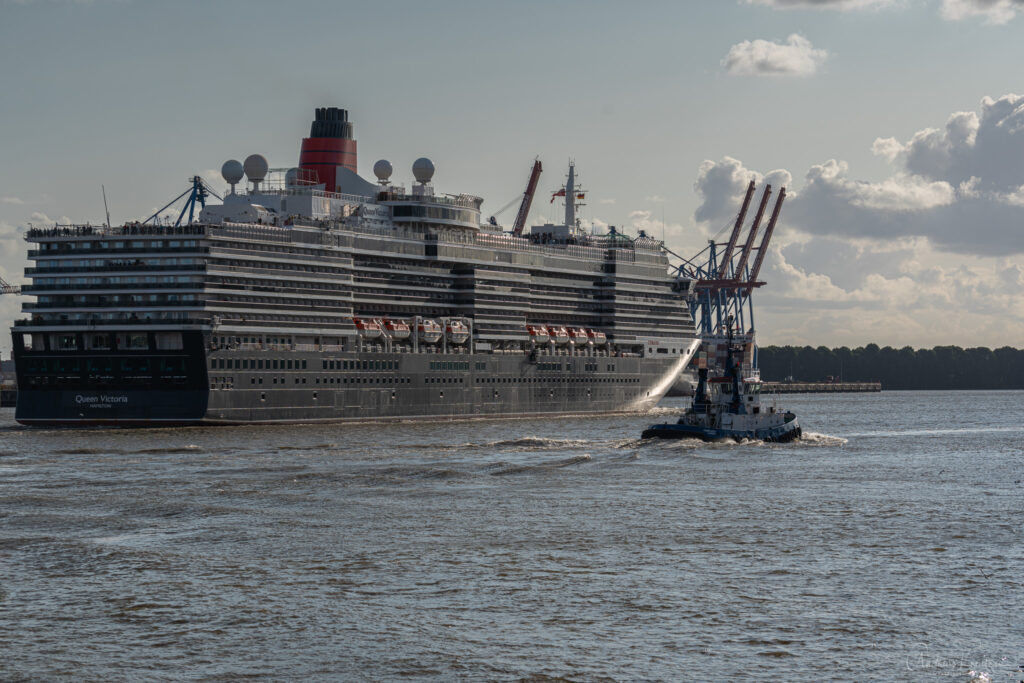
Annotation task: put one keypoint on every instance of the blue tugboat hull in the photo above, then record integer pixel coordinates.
(788, 431)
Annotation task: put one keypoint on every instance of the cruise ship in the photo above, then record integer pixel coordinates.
(312, 294)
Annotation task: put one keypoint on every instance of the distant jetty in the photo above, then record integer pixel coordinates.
(820, 387)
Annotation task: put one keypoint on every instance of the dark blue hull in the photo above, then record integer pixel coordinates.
(112, 407)
(787, 431)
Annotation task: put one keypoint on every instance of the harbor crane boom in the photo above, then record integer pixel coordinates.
(756, 269)
(727, 254)
(752, 235)
(720, 287)
(524, 207)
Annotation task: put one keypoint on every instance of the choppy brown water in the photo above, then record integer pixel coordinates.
(887, 545)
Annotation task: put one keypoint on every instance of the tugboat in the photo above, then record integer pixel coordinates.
(729, 409)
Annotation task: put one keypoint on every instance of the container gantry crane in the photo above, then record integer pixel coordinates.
(720, 279)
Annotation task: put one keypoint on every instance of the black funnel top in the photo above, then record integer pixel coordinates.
(331, 122)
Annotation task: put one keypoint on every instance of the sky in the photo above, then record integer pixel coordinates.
(893, 124)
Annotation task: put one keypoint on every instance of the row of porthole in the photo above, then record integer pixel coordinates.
(435, 380)
(394, 394)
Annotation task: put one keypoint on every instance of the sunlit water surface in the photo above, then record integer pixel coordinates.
(885, 545)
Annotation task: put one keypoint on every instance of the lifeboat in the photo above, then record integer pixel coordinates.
(559, 335)
(429, 331)
(598, 338)
(397, 329)
(579, 336)
(538, 334)
(368, 329)
(458, 331)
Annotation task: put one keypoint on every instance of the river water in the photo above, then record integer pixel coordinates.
(886, 545)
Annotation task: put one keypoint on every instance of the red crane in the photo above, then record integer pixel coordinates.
(524, 207)
(752, 235)
(727, 255)
(756, 269)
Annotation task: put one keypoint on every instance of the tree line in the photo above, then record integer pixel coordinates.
(943, 367)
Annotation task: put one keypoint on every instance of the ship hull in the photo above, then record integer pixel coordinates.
(272, 386)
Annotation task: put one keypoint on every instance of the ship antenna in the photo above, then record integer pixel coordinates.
(105, 204)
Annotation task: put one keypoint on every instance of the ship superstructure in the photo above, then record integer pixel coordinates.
(313, 294)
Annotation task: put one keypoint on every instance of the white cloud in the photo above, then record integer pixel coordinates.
(992, 11)
(960, 187)
(916, 299)
(898, 193)
(721, 186)
(841, 5)
(988, 145)
(654, 198)
(929, 255)
(796, 57)
(11, 200)
(606, 201)
(654, 226)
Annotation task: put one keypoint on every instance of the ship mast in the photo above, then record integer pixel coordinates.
(570, 197)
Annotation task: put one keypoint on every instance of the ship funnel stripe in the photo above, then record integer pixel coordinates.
(329, 145)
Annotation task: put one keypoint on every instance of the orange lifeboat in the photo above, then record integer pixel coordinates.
(458, 332)
(559, 335)
(598, 338)
(429, 331)
(397, 329)
(538, 334)
(368, 329)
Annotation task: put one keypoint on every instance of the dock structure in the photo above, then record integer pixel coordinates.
(820, 387)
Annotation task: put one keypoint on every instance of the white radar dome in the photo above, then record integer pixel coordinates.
(423, 170)
(231, 171)
(256, 167)
(382, 169)
(291, 177)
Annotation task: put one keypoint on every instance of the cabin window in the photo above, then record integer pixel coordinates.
(97, 341)
(168, 341)
(64, 342)
(133, 341)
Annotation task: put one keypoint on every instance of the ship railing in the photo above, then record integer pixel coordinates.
(113, 286)
(86, 322)
(116, 266)
(289, 190)
(464, 201)
(49, 253)
(87, 230)
(248, 231)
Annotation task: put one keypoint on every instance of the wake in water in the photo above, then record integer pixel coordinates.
(503, 468)
(807, 439)
(190, 448)
(815, 439)
(526, 443)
